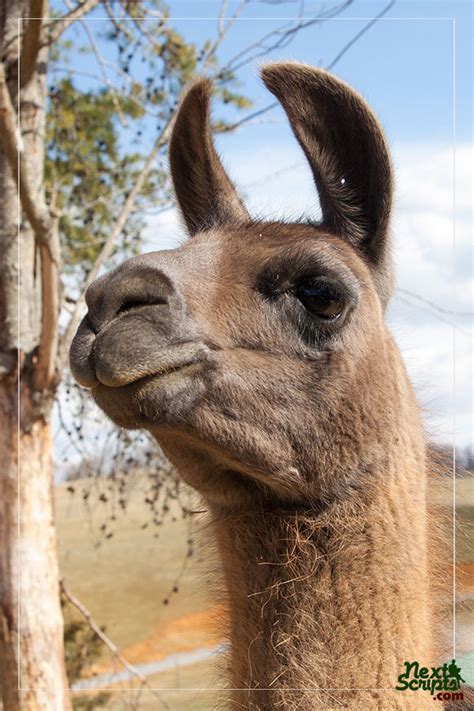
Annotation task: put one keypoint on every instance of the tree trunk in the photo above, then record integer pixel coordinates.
(32, 669)
(8, 529)
(31, 641)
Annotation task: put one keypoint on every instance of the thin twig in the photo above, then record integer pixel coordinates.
(103, 71)
(331, 65)
(148, 35)
(223, 30)
(66, 429)
(106, 640)
(436, 315)
(360, 33)
(55, 29)
(249, 117)
(119, 26)
(100, 632)
(284, 34)
(222, 14)
(434, 306)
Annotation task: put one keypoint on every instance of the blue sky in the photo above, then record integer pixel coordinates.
(404, 67)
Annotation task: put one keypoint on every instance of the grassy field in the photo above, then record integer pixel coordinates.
(124, 580)
(171, 688)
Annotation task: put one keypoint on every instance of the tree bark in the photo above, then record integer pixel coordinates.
(31, 637)
(42, 669)
(8, 529)
(32, 669)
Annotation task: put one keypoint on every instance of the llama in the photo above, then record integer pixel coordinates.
(257, 355)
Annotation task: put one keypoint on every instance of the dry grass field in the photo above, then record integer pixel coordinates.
(124, 580)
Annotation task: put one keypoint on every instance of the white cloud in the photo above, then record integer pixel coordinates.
(163, 231)
(432, 231)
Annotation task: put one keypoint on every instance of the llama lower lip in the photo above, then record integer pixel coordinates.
(151, 375)
(155, 398)
(163, 373)
(125, 355)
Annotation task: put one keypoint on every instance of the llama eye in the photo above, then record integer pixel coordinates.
(322, 300)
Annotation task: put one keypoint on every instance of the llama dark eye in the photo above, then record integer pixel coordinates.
(322, 300)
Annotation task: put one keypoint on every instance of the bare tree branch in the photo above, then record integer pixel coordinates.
(249, 117)
(45, 228)
(434, 306)
(109, 244)
(36, 210)
(45, 372)
(284, 34)
(223, 28)
(105, 76)
(66, 429)
(138, 24)
(331, 65)
(359, 34)
(56, 28)
(31, 44)
(439, 316)
(222, 14)
(119, 26)
(106, 640)
(99, 632)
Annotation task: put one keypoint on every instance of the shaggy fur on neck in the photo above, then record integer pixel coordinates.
(326, 606)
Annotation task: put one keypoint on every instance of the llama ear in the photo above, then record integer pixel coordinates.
(346, 150)
(205, 193)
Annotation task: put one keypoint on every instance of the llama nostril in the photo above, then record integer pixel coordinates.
(128, 288)
(132, 304)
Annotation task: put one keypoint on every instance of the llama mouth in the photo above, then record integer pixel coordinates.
(157, 397)
(142, 376)
(123, 354)
(165, 371)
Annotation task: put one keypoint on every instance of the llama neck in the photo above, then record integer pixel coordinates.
(335, 600)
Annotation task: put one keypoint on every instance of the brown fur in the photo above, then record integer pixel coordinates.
(304, 437)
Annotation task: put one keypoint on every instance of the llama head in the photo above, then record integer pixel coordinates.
(256, 352)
